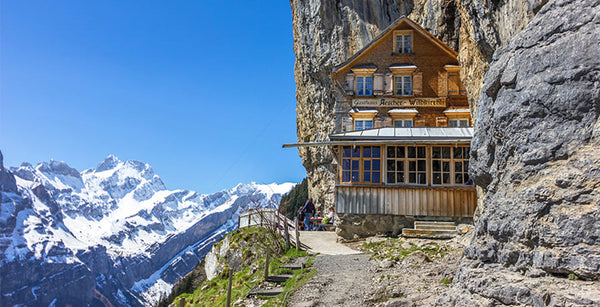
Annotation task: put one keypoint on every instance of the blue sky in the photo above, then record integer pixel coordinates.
(201, 90)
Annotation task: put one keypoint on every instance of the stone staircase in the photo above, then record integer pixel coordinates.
(431, 230)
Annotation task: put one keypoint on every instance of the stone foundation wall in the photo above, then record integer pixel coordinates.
(355, 226)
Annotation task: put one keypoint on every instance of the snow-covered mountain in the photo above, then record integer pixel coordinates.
(110, 234)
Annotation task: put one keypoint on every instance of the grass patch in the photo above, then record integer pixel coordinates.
(446, 282)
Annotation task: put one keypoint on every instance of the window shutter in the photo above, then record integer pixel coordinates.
(389, 84)
(417, 84)
(378, 84)
(349, 84)
(443, 84)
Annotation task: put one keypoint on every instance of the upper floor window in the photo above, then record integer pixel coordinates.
(403, 43)
(458, 123)
(403, 85)
(362, 124)
(403, 123)
(364, 86)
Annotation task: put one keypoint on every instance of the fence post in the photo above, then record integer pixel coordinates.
(267, 263)
(228, 303)
(287, 234)
(182, 302)
(297, 236)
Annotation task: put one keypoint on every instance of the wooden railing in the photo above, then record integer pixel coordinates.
(272, 219)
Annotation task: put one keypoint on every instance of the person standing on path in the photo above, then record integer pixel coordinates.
(309, 211)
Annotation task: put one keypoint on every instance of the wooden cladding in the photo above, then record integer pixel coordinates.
(425, 201)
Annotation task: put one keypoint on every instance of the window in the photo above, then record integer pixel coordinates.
(361, 164)
(403, 43)
(403, 123)
(446, 160)
(403, 85)
(455, 123)
(406, 164)
(362, 124)
(364, 86)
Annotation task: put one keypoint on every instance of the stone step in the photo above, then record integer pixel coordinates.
(266, 292)
(429, 234)
(293, 267)
(278, 278)
(432, 225)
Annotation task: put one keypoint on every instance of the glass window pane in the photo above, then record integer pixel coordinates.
(346, 164)
(458, 178)
(391, 177)
(366, 152)
(421, 165)
(436, 152)
(421, 152)
(412, 166)
(345, 176)
(356, 152)
(355, 177)
(398, 123)
(376, 165)
(359, 80)
(452, 123)
(412, 152)
(446, 178)
(347, 150)
(466, 178)
(367, 176)
(368, 124)
(367, 165)
(391, 152)
(466, 152)
(458, 167)
(391, 165)
(408, 123)
(400, 152)
(466, 166)
(400, 166)
(436, 165)
(354, 165)
(358, 125)
(400, 178)
(464, 123)
(376, 152)
(412, 178)
(445, 166)
(376, 177)
(458, 152)
(437, 178)
(407, 43)
(422, 178)
(446, 152)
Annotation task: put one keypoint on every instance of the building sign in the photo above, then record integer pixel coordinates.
(399, 102)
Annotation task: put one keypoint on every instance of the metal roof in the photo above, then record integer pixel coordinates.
(410, 134)
(387, 136)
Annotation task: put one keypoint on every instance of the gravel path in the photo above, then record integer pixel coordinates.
(342, 280)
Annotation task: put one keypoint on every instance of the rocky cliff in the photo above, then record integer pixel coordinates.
(535, 153)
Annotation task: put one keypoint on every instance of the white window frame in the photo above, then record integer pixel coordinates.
(363, 124)
(458, 123)
(401, 37)
(363, 85)
(403, 85)
(404, 123)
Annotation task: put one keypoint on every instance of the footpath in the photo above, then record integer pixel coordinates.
(324, 242)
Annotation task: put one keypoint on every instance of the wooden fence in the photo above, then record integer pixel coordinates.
(271, 218)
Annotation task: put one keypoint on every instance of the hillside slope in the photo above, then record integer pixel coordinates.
(111, 233)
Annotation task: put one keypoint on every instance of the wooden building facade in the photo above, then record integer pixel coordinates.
(403, 129)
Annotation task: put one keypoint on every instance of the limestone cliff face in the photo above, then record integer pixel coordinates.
(536, 155)
(325, 34)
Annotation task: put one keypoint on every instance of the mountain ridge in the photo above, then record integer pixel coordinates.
(116, 227)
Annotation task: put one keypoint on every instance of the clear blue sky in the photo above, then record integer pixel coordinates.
(201, 90)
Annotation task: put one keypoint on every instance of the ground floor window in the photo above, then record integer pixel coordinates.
(361, 164)
(406, 164)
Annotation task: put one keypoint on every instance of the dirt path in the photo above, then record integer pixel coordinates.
(415, 279)
(324, 242)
